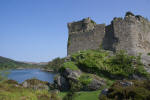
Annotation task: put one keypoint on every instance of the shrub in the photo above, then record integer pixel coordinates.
(75, 85)
(85, 79)
(138, 91)
(71, 65)
(55, 64)
(120, 65)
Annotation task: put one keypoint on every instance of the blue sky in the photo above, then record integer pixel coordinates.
(36, 30)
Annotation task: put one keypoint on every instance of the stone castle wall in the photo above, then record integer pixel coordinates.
(131, 33)
(89, 37)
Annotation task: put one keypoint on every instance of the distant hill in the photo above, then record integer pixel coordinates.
(37, 63)
(6, 63)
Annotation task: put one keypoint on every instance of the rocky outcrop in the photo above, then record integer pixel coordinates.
(71, 74)
(146, 61)
(36, 84)
(61, 83)
(69, 79)
(95, 84)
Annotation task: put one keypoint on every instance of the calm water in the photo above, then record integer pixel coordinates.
(21, 75)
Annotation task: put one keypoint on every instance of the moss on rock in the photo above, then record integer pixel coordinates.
(70, 65)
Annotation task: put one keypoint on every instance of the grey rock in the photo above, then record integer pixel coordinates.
(146, 61)
(56, 91)
(36, 84)
(126, 83)
(104, 92)
(71, 74)
(95, 84)
(61, 83)
(131, 33)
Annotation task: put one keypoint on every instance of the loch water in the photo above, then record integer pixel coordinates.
(21, 75)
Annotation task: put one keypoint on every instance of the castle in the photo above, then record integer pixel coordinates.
(131, 33)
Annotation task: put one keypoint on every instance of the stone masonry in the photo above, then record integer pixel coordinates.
(131, 33)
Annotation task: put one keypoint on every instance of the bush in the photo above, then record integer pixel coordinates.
(71, 65)
(75, 85)
(55, 64)
(85, 79)
(120, 65)
(140, 90)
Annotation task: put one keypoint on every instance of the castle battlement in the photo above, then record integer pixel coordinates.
(131, 33)
(81, 26)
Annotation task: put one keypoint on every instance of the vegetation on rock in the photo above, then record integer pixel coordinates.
(70, 65)
(137, 90)
(85, 79)
(103, 64)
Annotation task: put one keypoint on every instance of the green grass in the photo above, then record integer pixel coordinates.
(11, 90)
(83, 95)
(62, 94)
(87, 95)
(71, 65)
(120, 65)
(85, 79)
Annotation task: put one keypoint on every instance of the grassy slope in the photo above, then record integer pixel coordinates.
(6, 63)
(96, 62)
(87, 95)
(11, 90)
(83, 95)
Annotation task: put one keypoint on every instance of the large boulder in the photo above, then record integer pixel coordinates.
(71, 74)
(61, 83)
(36, 84)
(72, 78)
(95, 84)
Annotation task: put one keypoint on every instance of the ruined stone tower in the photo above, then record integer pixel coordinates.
(131, 33)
